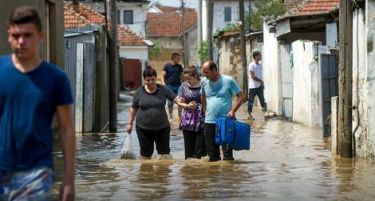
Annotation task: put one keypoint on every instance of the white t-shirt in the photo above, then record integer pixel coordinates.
(258, 71)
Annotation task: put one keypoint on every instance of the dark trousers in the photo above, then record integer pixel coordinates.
(213, 150)
(195, 146)
(147, 138)
(256, 92)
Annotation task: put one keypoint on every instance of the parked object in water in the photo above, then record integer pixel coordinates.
(127, 151)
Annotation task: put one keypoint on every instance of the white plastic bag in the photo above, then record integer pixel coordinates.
(127, 151)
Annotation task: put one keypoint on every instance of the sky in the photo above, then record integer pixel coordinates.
(177, 3)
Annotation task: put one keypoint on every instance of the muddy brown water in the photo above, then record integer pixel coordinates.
(287, 161)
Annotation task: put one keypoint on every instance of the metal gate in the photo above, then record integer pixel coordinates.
(329, 71)
(132, 73)
(287, 80)
(88, 86)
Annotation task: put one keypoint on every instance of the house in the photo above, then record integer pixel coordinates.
(300, 62)
(51, 12)
(86, 44)
(225, 12)
(131, 46)
(171, 29)
(130, 13)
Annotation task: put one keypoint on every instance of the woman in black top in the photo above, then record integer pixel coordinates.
(152, 125)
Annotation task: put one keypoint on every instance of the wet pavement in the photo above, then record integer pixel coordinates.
(287, 161)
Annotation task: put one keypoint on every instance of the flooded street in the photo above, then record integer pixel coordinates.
(286, 162)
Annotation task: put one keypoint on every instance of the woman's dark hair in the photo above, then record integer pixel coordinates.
(23, 15)
(149, 72)
(191, 71)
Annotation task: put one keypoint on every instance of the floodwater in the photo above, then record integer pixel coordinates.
(286, 162)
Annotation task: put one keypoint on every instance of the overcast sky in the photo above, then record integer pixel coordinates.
(177, 3)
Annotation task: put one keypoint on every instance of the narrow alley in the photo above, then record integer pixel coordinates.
(286, 162)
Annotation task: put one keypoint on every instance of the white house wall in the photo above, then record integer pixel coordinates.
(364, 80)
(271, 71)
(139, 16)
(135, 52)
(306, 84)
(371, 74)
(218, 17)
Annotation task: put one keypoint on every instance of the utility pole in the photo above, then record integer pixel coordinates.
(199, 27)
(243, 46)
(183, 22)
(250, 12)
(113, 67)
(210, 16)
(345, 135)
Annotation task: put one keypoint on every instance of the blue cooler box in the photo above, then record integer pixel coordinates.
(234, 133)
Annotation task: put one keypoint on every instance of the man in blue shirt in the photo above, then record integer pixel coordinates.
(216, 92)
(31, 91)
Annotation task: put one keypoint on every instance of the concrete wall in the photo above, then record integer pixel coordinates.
(230, 62)
(168, 42)
(306, 84)
(360, 82)
(370, 20)
(271, 71)
(364, 79)
(192, 46)
(52, 48)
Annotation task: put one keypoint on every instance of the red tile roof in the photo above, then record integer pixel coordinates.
(170, 22)
(314, 7)
(82, 16)
(73, 19)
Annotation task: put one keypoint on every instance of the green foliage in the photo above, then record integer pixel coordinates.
(231, 27)
(262, 9)
(155, 51)
(203, 51)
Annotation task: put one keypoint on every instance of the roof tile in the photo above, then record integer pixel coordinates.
(170, 22)
(313, 7)
(77, 17)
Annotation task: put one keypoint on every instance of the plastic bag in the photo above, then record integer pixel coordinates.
(127, 151)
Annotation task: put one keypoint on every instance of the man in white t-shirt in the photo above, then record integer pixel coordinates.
(256, 84)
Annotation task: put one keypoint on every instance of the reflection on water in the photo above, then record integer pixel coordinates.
(286, 162)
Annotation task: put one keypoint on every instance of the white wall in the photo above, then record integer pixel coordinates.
(364, 80)
(306, 84)
(135, 52)
(271, 71)
(370, 20)
(139, 16)
(218, 18)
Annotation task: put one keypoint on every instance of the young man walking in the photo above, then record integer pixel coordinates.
(172, 79)
(31, 91)
(256, 84)
(216, 93)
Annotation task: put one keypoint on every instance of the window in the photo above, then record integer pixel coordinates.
(227, 14)
(118, 17)
(128, 17)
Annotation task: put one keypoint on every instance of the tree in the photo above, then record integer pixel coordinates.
(262, 9)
